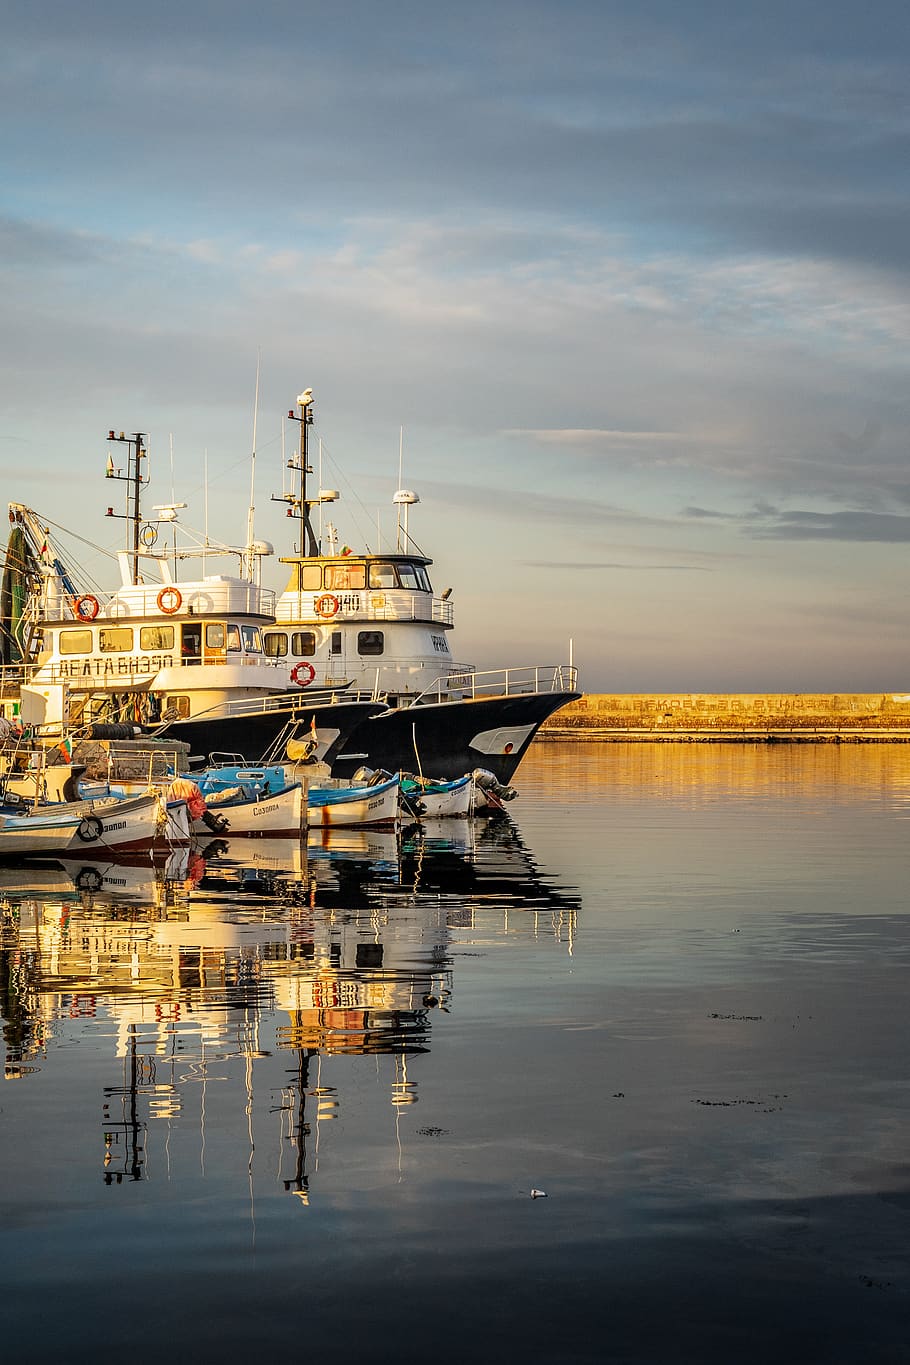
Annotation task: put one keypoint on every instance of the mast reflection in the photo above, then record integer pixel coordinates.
(339, 947)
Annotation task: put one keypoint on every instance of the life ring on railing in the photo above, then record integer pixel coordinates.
(86, 607)
(303, 674)
(170, 600)
(327, 605)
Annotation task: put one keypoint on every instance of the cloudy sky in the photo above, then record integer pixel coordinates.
(633, 278)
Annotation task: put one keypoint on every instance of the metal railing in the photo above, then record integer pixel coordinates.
(500, 682)
(364, 604)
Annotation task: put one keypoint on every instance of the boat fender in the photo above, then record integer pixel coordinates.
(303, 674)
(86, 607)
(327, 605)
(170, 600)
(90, 829)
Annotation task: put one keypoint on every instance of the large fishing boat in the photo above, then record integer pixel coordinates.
(372, 623)
(153, 652)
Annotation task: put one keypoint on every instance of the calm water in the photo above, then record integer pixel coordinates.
(298, 1103)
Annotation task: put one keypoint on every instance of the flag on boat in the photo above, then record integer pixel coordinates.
(346, 550)
(313, 733)
(66, 749)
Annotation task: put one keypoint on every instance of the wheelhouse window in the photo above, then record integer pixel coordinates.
(382, 576)
(370, 642)
(233, 638)
(252, 640)
(342, 577)
(310, 577)
(214, 635)
(75, 642)
(303, 643)
(414, 576)
(156, 637)
(276, 644)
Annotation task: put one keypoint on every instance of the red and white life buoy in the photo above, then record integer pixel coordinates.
(170, 600)
(327, 605)
(86, 607)
(303, 674)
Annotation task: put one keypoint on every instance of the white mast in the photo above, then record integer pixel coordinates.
(404, 497)
(252, 512)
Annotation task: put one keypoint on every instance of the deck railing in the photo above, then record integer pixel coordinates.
(500, 682)
(364, 604)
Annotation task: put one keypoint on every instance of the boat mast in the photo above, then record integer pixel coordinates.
(133, 476)
(250, 560)
(309, 545)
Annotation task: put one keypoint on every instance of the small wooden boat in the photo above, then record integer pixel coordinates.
(354, 803)
(110, 824)
(280, 814)
(438, 800)
(36, 834)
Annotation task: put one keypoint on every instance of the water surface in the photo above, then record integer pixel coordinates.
(276, 1100)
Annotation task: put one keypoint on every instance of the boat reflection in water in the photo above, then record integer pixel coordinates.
(254, 954)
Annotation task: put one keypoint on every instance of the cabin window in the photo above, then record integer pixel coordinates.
(370, 642)
(408, 575)
(156, 637)
(233, 639)
(303, 643)
(423, 578)
(342, 577)
(75, 642)
(214, 635)
(382, 576)
(276, 644)
(115, 639)
(335, 642)
(252, 640)
(310, 577)
(179, 704)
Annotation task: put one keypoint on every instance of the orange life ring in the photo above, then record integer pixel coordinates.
(303, 674)
(170, 600)
(327, 605)
(86, 607)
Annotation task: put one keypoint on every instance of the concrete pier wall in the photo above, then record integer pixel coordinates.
(883, 716)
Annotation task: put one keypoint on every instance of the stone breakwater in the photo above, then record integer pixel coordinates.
(736, 717)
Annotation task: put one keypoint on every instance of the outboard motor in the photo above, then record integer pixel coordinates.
(491, 786)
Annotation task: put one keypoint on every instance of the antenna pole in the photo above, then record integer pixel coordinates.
(252, 512)
(133, 476)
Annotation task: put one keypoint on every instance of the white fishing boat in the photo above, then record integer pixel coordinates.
(350, 803)
(280, 814)
(438, 800)
(36, 834)
(371, 622)
(151, 651)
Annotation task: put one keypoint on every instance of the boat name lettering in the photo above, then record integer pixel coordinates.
(114, 824)
(124, 665)
(348, 601)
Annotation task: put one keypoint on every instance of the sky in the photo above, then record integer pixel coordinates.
(624, 286)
